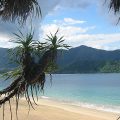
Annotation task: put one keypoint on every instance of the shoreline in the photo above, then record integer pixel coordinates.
(104, 108)
(54, 110)
(71, 107)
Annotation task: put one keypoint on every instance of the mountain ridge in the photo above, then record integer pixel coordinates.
(81, 59)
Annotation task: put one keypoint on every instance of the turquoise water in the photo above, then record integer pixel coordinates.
(99, 91)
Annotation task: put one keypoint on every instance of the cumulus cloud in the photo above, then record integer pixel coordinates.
(77, 35)
(101, 41)
(46, 7)
(8, 28)
(69, 21)
(102, 8)
(74, 35)
(66, 26)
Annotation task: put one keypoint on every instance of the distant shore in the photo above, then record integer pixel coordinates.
(53, 110)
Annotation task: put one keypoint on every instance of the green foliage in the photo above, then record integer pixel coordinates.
(34, 48)
(92, 67)
(86, 66)
(55, 42)
(75, 60)
(29, 76)
(25, 44)
(52, 67)
(111, 67)
(12, 73)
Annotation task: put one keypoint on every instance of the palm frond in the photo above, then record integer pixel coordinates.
(12, 74)
(115, 5)
(56, 42)
(19, 9)
(30, 74)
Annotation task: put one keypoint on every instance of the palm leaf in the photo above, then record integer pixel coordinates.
(19, 9)
(115, 5)
(31, 73)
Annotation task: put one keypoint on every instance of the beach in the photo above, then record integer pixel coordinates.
(73, 97)
(54, 110)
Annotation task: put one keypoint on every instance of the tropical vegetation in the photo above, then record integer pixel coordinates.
(29, 76)
(19, 9)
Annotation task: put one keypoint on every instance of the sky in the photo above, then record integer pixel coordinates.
(81, 22)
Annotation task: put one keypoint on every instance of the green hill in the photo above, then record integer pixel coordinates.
(81, 59)
(85, 59)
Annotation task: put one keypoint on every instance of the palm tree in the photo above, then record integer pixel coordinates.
(18, 9)
(115, 5)
(30, 75)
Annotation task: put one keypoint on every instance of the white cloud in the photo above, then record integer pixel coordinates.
(66, 26)
(100, 41)
(73, 21)
(74, 36)
(4, 42)
(77, 35)
(68, 21)
(49, 7)
(66, 30)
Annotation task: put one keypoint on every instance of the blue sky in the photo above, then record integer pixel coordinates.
(82, 22)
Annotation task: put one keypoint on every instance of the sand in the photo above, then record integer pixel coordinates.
(52, 110)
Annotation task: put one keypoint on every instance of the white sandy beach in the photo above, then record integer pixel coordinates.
(52, 110)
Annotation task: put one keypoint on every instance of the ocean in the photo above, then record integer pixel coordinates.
(96, 91)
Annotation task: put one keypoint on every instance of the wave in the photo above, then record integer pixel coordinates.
(106, 108)
(44, 97)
